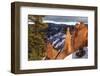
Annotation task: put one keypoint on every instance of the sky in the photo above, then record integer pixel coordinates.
(66, 18)
(69, 20)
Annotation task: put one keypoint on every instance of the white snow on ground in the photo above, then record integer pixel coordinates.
(72, 56)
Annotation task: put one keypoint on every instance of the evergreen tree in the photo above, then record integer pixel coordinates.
(36, 38)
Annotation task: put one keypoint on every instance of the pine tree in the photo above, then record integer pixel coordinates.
(36, 38)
